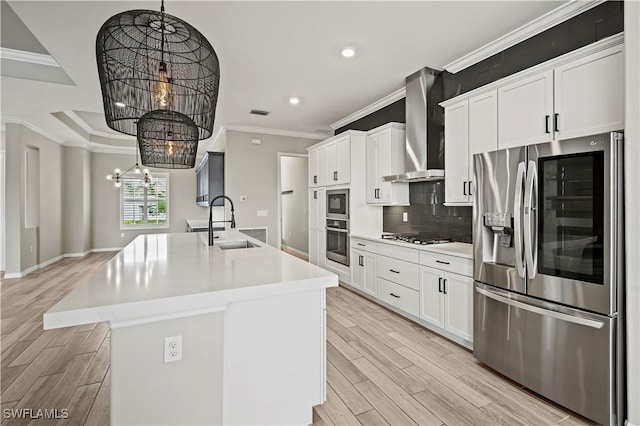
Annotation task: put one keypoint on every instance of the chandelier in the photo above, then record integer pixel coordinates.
(153, 61)
(117, 175)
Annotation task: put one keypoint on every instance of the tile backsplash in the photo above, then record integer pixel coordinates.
(428, 215)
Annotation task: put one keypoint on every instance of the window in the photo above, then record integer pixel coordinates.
(144, 207)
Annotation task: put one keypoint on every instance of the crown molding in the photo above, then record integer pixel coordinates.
(530, 29)
(381, 103)
(24, 56)
(277, 132)
(16, 120)
(83, 124)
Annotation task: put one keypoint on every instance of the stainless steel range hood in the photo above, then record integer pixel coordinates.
(424, 146)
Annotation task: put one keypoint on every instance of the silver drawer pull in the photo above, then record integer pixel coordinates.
(394, 295)
(443, 262)
(394, 271)
(363, 245)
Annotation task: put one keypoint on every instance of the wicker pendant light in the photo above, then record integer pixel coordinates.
(167, 139)
(149, 61)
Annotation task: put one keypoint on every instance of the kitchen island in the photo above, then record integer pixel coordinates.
(252, 324)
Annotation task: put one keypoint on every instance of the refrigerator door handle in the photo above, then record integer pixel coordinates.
(531, 238)
(517, 220)
(538, 310)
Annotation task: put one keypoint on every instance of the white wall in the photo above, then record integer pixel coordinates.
(27, 247)
(294, 207)
(632, 204)
(252, 170)
(76, 197)
(105, 201)
(2, 199)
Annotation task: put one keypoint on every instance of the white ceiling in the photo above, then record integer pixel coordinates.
(269, 51)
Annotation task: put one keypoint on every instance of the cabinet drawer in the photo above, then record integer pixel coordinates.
(366, 245)
(398, 271)
(401, 297)
(458, 265)
(404, 253)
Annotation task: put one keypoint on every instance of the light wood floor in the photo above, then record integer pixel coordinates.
(382, 369)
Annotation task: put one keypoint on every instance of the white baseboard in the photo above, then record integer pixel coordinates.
(628, 423)
(77, 254)
(53, 260)
(50, 261)
(98, 250)
(296, 251)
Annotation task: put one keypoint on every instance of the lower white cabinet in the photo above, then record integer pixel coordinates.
(318, 247)
(446, 301)
(363, 271)
(403, 298)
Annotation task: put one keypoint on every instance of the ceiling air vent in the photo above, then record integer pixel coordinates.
(258, 112)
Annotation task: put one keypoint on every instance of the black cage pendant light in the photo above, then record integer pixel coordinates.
(149, 61)
(167, 139)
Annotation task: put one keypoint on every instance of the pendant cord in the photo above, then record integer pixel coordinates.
(162, 31)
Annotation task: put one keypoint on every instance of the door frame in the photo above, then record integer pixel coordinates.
(279, 192)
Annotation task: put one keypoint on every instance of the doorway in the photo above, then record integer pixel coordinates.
(293, 210)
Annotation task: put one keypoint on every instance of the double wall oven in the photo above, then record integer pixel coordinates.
(338, 226)
(547, 268)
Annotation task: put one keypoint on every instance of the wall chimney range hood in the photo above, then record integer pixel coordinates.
(424, 145)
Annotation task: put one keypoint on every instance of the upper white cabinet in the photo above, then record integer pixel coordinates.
(385, 147)
(338, 164)
(317, 167)
(578, 94)
(589, 95)
(525, 110)
(470, 128)
(456, 158)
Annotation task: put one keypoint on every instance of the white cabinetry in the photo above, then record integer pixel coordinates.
(470, 128)
(363, 266)
(578, 94)
(385, 148)
(525, 110)
(456, 159)
(446, 293)
(317, 167)
(338, 163)
(589, 95)
(317, 222)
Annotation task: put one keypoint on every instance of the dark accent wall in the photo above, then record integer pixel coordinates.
(428, 216)
(595, 24)
(394, 112)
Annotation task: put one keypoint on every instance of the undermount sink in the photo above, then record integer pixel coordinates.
(232, 245)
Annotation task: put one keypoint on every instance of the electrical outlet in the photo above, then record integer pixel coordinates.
(30, 249)
(405, 216)
(172, 349)
(263, 213)
(122, 235)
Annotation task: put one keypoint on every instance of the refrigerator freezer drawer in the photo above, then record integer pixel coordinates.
(568, 358)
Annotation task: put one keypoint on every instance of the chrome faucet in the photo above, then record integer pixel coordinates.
(211, 221)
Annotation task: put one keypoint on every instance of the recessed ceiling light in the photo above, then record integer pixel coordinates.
(294, 101)
(121, 104)
(348, 52)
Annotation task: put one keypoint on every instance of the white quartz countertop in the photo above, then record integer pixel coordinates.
(170, 275)
(452, 249)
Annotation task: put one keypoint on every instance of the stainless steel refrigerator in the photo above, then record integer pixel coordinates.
(548, 270)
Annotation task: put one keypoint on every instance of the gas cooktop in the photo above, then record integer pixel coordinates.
(415, 239)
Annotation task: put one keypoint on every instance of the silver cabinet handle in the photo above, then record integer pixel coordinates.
(541, 311)
(394, 295)
(530, 241)
(363, 245)
(361, 260)
(517, 220)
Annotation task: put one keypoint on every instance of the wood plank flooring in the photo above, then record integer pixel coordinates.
(381, 368)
